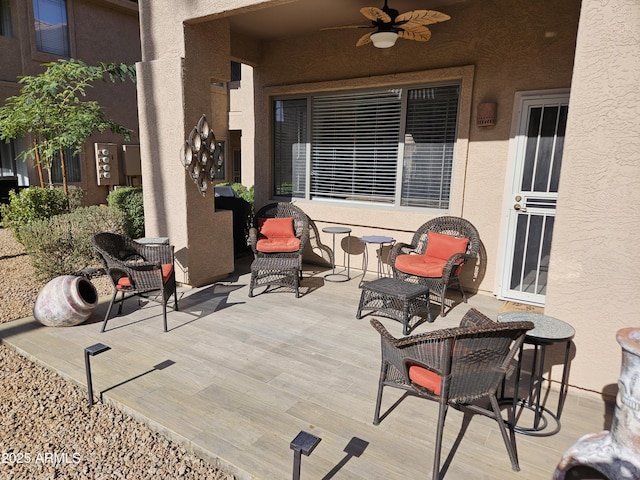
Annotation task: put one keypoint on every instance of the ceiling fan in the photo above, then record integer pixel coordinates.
(389, 24)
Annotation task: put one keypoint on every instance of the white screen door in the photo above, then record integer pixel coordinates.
(533, 196)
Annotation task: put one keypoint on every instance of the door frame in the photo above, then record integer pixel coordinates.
(501, 261)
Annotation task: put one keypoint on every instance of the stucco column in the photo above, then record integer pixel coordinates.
(598, 225)
(173, 93)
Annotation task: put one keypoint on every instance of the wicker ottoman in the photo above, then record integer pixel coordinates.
(282, 272)
(395, 299)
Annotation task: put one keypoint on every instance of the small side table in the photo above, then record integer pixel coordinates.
(333, 276)
(396, 299)
(379, 240)
(547, 331)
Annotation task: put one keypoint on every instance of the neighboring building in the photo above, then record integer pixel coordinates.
(560, 155)
(33, 32)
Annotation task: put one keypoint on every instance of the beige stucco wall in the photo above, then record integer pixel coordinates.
(509, 49)
(174, 92)
(593, 275)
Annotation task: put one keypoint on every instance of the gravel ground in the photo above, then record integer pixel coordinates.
(47, 430)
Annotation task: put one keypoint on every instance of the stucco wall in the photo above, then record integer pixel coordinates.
(512, 47)
(527, 48)
(530, 47)
(593, 275)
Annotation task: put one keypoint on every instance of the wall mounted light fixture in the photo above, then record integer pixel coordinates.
(487, 113)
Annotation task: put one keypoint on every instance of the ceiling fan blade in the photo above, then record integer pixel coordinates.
(422, 17)
(375, 14)
(366, 38)
(347, 26)
(421, 35)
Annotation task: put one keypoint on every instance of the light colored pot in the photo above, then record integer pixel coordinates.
(614, 453)
(65, 301)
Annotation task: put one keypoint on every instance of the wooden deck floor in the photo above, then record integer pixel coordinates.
(236, 378)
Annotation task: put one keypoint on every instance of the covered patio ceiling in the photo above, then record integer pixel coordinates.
(289, 19)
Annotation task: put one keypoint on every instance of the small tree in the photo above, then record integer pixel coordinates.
(50, 107)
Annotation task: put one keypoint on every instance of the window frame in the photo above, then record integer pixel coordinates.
(464, 74)
(73, 165)
(394, 156)
(39, 56)
(6, 21)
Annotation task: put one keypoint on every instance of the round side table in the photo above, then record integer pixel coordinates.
(547, 331)
(333, 276)
(379, 240)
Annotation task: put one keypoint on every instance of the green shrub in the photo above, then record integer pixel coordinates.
(128, 200)
(76, 197)
(31, 204)
(61, 245)
(244, 192)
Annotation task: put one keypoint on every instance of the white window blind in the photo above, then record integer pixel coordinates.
(354, 146)
(429, 138)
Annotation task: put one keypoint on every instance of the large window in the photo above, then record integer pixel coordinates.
(392, 146)
(52, 30)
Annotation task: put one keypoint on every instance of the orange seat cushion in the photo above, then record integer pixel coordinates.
(278, 245)
(426, 378)
(167, 270)
(277, 227)
(440, 248)
(420, 265)
(443, 246)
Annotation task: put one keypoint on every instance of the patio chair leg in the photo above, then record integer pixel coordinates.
(106, 317)
(509, 443)
(464, 296)
(383, 376)
(164, 311)
(442, 414)
(122, 302)
(175, 297)
(442, 296)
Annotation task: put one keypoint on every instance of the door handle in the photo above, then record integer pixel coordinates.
(519, 208)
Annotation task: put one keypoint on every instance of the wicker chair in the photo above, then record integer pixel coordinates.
(274, 253)
(136, 269)
(447, 272)
(454, 366)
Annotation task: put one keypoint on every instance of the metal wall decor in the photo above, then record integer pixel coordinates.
(203, 156)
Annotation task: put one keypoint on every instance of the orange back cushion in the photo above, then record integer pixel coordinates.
(443, 246)
(277, 228)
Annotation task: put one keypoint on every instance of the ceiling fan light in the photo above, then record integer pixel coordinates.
(384, 39)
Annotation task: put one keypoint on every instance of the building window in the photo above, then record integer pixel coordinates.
(10, 165)
(7, 159)
(388, 146)
(52, 30)
(72, 167)
(236, 71)
(237, 165)
(5, 19)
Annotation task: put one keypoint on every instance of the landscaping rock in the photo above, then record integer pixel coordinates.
(47, 430)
